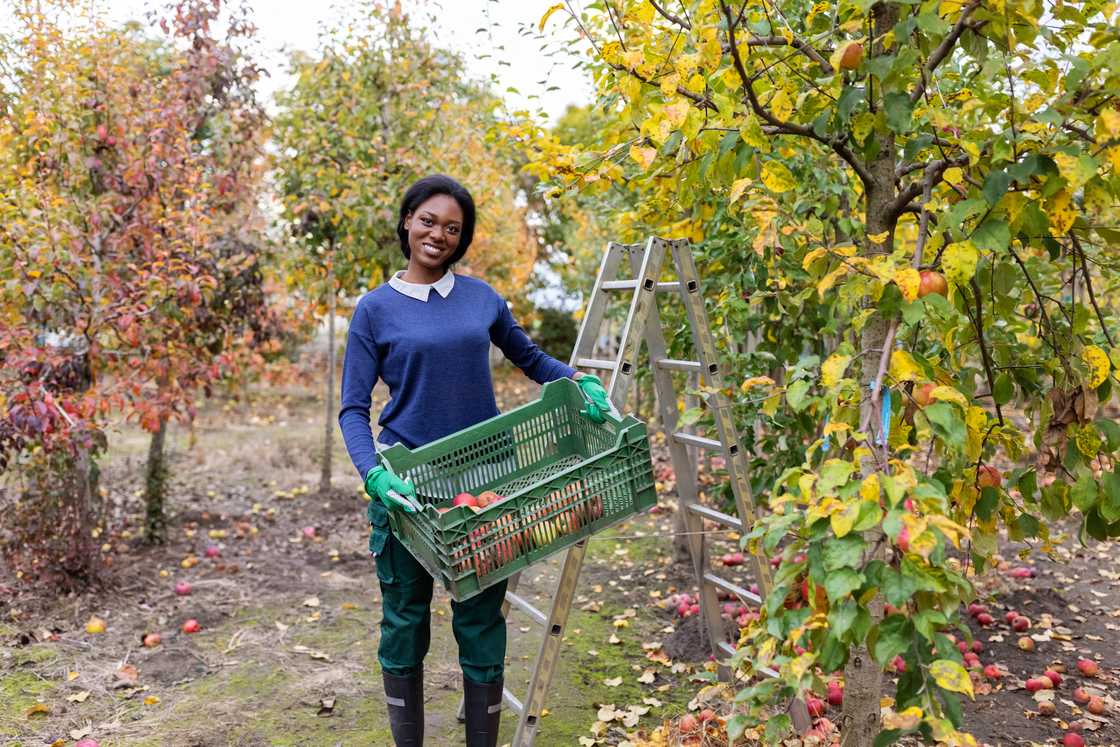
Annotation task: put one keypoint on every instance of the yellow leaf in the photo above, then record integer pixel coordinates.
(151, 700)
(95, 625)
(548, 14)
(676, 113)
(39, 709)
(777, 177)
(643, 155)
(738, 187)
(751, 132)
(781, 106)
(843, 521)
(959, 261)
(770, 406)
(953, 531)
(954, 175)
(949, 394)
(950, 675)
(836, 426)
(1062, 212)
(829, 280)
(908, 281)
(1108, 125)
(904, 367)
(862, 123)
(813, 256)
(904, 721)
(669, 84)
(756, 381)
(1097, 361)
(832, 370)
(869, 488)
(878, 238)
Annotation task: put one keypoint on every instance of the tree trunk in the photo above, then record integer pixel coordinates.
(863, 682)
(155, 487)
(328, 431)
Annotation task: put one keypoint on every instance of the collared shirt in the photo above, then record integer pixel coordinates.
(420, 291)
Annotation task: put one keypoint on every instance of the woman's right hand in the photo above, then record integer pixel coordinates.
(382, 484)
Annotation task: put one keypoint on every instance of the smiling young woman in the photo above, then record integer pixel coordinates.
(427, 333)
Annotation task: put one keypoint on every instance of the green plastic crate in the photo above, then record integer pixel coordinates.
(563, 477)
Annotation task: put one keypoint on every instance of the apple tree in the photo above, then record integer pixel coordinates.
(921, 197)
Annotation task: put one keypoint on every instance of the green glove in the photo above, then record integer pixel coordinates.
(379, 484)
(600, 404)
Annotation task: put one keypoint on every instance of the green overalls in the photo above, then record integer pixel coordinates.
(406, 598)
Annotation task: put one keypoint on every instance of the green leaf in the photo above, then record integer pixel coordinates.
(993, 235)
(834, 473)
(947, 424)
(995, 186)
(841, 583)
(1003, 390)
(887, 738)
(777, 726)
(928, 622)
(736, 725)
(797, 394)
(842, 616)
(899, 111)
(898, 587)
(1084, 492)
(894, 637)
(843, 552)
(833, 655)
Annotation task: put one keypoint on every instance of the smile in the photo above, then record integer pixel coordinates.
(432, 250)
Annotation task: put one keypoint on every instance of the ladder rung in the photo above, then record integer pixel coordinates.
(704, 443)
(514, 703)
(522, 604)
(632, 284)
(718, 516)
(735, 589)
(728, 649)
(678, 365)
(599, 363)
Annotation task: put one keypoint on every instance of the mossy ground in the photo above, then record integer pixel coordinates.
(290, 624)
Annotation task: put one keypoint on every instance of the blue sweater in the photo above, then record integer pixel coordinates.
(434, 357)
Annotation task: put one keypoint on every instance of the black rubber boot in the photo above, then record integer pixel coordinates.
(483, 707)
(404, 697)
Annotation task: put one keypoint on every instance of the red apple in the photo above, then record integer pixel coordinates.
(851, 56)
(1034, 685)
(464, 499)
(835, 695)
(1046, 682)
(309, 532)
(733, 559)
(1054, 677)
(977, 647)
(151, 640)
(988, 476)
(903, 539)
(992, 672)
(1047, 708)
(183, 588)
(1072, 739)
(87, 742)
(1010, 616)
(985, 619)
(707, 715)
(923, 394)
(1026, 643)
(976, 608)
(1020, 624)
(899, 664)
(932, 282)
(689, 723)
(212, 551)
(1088, 667)
(191, 626)
(1080, 696)
(815, 706)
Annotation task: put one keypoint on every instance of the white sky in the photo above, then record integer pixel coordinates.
(295, 24)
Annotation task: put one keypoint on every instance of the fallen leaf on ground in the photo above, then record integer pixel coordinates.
(78, 697)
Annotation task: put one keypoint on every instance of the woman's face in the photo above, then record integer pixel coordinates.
(434, 229)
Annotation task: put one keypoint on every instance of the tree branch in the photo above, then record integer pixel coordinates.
(1089, 287)
(683, 23)
(797, 43)
(943, 50)
(934, 171)
(985, 355)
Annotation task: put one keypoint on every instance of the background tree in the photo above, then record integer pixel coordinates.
(862, 153)
(375, 109)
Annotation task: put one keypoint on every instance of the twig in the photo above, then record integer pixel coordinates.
(1089, 287)
(683, 23)
(943, 50)
(985, 356)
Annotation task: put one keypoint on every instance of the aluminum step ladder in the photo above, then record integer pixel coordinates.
(643, 323)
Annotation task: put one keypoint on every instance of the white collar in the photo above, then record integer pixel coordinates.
(420, 291)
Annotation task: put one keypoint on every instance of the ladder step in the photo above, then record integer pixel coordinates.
(632, 284)
(679, 365)
(704, 443)
(598, 363)
(522, 604)
(514, 703)
(735, 589)
(717, 516)
(728, 649)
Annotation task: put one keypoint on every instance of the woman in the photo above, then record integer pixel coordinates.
(427, 333)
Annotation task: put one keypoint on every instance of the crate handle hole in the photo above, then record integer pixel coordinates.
(557, 629)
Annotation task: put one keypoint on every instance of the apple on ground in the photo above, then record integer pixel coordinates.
(183, 588)
(1020, 624)
(1080, 696)
(1088, 667)
(1072, 739)
(191, 626)
(1047, 708)
(212, 551)
(1095, 705)
(689, 723)
(1026, 643)
(1053, 676)
(706, 715)
(151, 640)
(815, 706)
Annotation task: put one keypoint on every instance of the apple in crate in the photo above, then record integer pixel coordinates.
(488, 498)
(464, 499)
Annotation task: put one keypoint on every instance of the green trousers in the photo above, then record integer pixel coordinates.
(406, 600)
